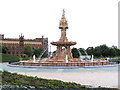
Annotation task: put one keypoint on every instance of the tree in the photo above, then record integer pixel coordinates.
(90, 50)
(118, 52)
(4, 50)
(75, 53)
(54, 53)
(104, 50)
(0, 49)
(28, 51)
(97, 52)
(39, 52)
(112, 52)
(82, 51)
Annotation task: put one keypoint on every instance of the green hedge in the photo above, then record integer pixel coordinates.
(9, 58)
(29, 81)
(23, 80)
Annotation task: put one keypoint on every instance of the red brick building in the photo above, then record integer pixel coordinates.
(16, 45)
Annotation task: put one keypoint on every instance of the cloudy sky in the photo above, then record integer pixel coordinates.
(91, 22)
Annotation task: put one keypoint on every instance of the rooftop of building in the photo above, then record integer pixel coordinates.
(17, 39)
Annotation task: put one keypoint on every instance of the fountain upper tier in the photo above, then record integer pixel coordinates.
(63, 41)
(59, 43)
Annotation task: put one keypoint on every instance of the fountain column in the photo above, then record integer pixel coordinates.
(59, 52)
(68, 51)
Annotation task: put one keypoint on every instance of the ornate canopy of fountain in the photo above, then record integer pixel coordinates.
(63, 45)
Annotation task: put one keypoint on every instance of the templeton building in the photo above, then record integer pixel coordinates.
(16, 45)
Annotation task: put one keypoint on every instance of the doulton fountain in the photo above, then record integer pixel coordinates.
(63, 52)
(63, 57)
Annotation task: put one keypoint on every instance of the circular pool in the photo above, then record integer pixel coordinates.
(17, 68)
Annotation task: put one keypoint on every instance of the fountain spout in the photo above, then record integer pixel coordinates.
(42, 53)
(34, 58)
(66, 59)
(92, 58)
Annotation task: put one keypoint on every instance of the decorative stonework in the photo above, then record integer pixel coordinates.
(63, 45)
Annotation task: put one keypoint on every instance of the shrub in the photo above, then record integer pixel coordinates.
(9, 58)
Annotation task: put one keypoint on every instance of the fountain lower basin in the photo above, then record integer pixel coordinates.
(60, 65)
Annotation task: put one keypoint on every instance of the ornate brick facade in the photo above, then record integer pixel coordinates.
(16, 46)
